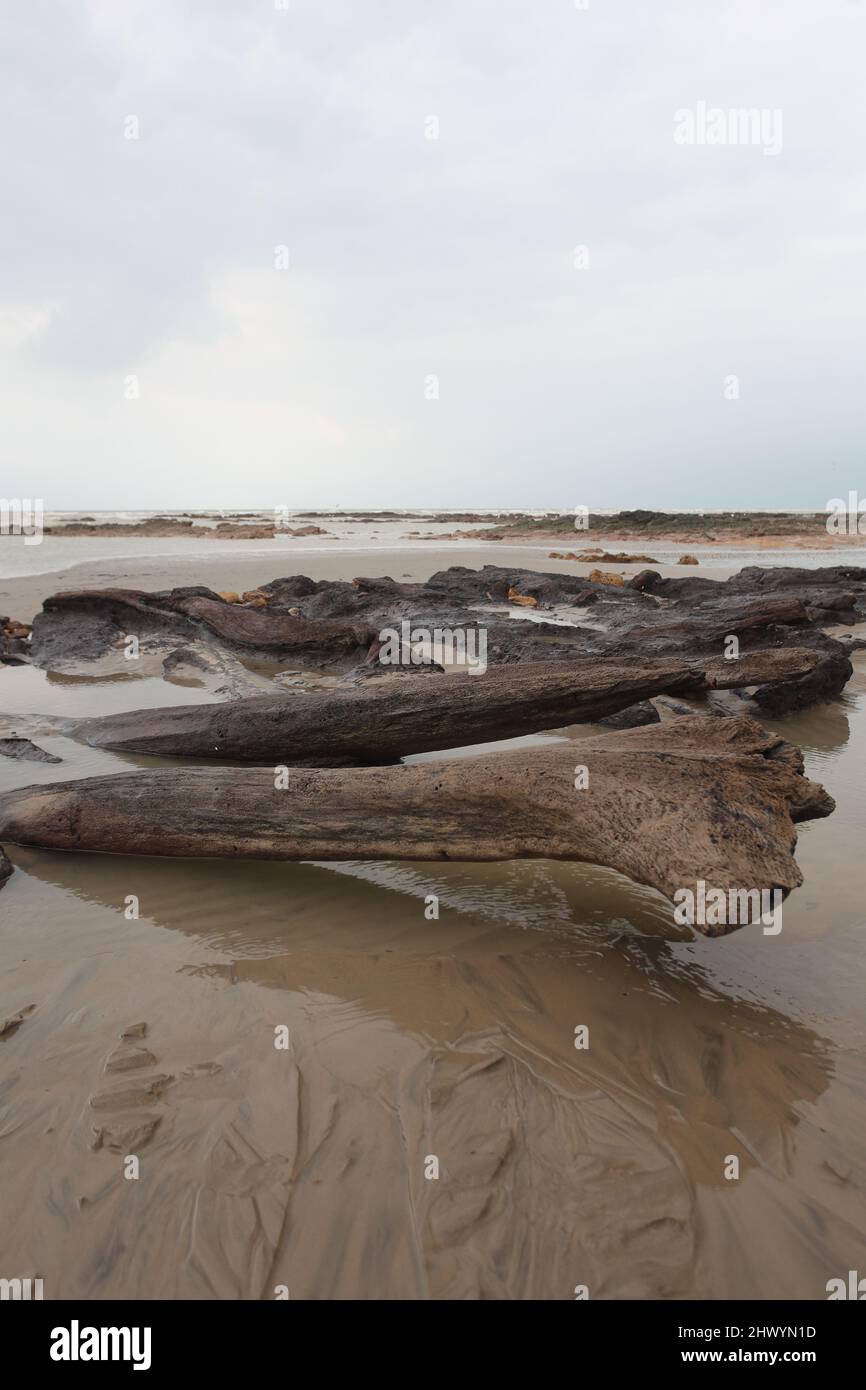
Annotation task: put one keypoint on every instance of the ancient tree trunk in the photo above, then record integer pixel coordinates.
(712, 799)
(380, 723)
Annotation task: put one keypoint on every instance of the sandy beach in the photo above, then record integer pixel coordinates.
(432, 675)
(59, 563)
(305, 1166)
(22, 595)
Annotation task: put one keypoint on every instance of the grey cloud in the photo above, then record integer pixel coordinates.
(259, 128)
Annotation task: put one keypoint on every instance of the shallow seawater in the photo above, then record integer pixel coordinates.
(412, 1038)
(25, 689)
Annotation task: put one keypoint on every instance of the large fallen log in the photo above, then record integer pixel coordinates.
(710, 800)
(380, 723)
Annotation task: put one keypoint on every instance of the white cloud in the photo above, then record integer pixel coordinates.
(412, 256)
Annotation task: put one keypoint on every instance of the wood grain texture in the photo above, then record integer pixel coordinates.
(382, 722)
(698, 798)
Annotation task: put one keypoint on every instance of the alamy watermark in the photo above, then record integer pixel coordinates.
(732, 907)
(738, 125)
(846, 518)
(77, 1343)
(417, 646)
(21, 1290)
(21, 516)
(854, 1288)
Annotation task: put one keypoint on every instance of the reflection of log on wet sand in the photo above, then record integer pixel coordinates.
(708, 799)
(558, 1166)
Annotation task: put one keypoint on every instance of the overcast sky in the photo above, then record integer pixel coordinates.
(705, 349)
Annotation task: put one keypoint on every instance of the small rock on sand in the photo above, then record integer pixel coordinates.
(26, 751)
(634, 717)
(134, 1030)
(126, 1133)
(603, 557)
(11, 1025)
(129, 1057)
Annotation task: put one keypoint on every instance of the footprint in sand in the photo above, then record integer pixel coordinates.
(124, 1125)
(11, 1025)
(134, 1030)
(129, 1057)
(199, 1069)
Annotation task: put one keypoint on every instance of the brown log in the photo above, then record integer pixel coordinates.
(712, 799)
(380, 723)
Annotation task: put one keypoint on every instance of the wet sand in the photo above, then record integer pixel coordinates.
(411, 1039)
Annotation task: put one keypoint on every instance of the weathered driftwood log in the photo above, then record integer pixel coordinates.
(382, 723)
(710, 800)
(85, 623)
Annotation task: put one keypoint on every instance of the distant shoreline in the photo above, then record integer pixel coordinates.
(759, 529)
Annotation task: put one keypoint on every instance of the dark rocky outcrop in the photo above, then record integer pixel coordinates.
(169, 527)
(336, 626)
(84, 624)
(25, 751)
(634, 717)
(14, 643)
